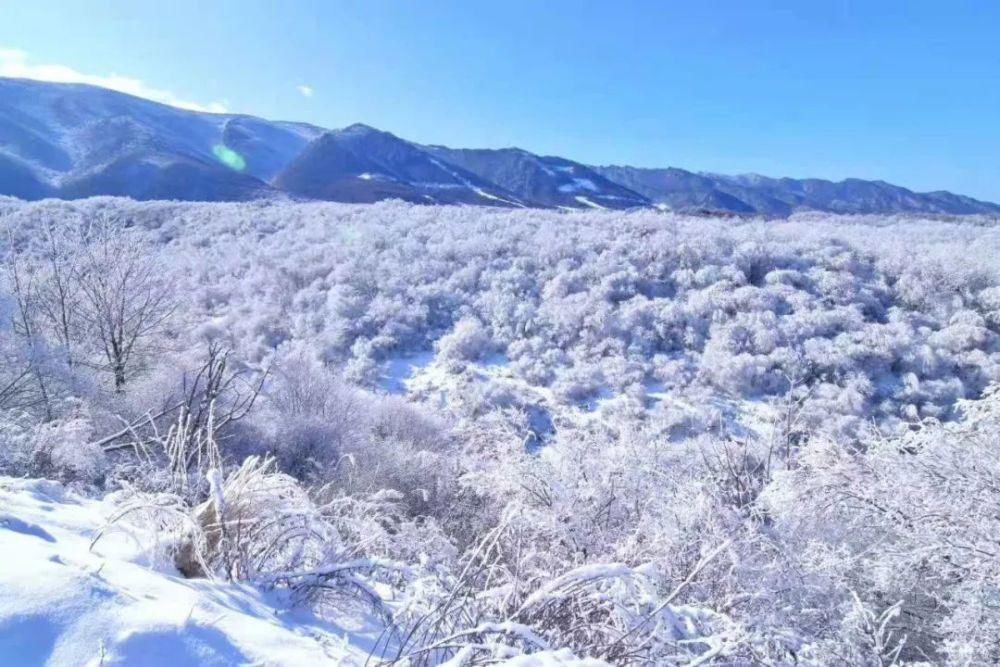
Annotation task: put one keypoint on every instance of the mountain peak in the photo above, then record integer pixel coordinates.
(361, 128)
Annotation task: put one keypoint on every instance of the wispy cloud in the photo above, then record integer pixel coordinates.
(304, 90)
(17, 63)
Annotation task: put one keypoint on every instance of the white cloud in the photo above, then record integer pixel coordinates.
(305, 90)
(16, 63)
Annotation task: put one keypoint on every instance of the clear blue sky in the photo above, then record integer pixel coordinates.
(905, 91)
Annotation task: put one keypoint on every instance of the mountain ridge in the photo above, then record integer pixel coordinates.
(74, 140)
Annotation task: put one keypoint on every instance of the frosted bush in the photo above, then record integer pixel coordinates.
(468, 341)
(62, 449)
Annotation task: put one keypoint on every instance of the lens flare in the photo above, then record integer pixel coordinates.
(229, 157)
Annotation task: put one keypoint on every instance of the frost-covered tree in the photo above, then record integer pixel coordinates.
(125, 299)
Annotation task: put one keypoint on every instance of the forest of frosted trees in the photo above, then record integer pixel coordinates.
(639, 438)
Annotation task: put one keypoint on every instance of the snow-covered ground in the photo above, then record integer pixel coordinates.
(400, 372)
(65, 601)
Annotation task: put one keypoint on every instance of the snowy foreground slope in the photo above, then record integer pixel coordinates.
(65, 603)
(73, 592)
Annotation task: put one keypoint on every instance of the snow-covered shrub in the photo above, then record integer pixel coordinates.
(579, 385)
(314, 418)
(468, 341)
(405, 451)
(908, 521)
(254, 523)
(609, 611)
(63, 449)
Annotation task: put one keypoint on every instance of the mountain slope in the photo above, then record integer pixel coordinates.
(75, 141)
(19, 180)
(675, 188)
(681, 190)
(543, 181)
(362, 164)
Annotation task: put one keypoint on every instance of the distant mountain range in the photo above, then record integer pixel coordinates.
(72, 141)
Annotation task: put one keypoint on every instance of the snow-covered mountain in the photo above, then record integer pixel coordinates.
(678, 189)
(362, 164)
(72, 141)
(543, 181)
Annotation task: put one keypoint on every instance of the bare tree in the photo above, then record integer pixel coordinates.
(125, 300)
(23, 286)
(225, 389)
(58, 294)
(210, 399)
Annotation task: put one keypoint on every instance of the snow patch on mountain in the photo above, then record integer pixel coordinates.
(579, 184)
(587, 202)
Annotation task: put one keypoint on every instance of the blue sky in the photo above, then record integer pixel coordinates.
(907, 91)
